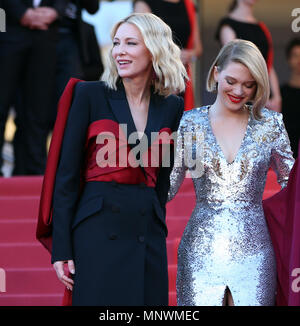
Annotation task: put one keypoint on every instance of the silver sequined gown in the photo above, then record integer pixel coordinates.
(226, 242)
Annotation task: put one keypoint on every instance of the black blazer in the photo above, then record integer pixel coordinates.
(93, 101)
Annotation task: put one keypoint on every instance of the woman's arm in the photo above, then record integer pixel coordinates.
(227, 34)
(281, 156)
(178, 173)
(179, 169)
(163, 180)
(192, 54)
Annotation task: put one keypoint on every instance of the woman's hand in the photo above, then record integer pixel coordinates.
(59, 268)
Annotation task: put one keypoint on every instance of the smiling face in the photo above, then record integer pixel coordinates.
(132, 58)
(236, 86)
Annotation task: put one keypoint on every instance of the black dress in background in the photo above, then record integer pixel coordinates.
(246, 31)
(291, 114)
(175, 15)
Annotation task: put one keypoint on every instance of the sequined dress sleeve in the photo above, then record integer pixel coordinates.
(281, 155)
(179, 170)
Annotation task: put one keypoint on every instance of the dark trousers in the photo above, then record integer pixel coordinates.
(67, 66)
(27, 64)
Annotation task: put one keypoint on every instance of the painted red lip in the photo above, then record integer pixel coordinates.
(235, 99)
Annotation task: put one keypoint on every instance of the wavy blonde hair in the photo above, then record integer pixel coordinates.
(246, 53)
(166, 62)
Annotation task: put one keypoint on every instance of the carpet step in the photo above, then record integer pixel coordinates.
(45, 299)
(22, 207)
(17, 230)
(18, 255)
(21, 186)
(32, 281)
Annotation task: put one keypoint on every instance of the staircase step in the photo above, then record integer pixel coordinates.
(26, 254)
(17, 230)
(21, 186)
(22, 207)
(45, 299)
(32, 281)
(30, 278)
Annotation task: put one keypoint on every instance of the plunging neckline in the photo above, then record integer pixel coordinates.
(142, 133)
(217, 143)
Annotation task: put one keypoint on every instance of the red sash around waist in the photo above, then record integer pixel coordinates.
(109, 156)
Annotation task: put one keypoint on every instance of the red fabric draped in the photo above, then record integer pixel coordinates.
(282, 213)
(44, 226)
(109, 156)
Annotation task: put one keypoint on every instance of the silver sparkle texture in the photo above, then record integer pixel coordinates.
(226, 242)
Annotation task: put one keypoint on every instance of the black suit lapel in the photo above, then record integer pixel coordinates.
(155, 118)
(120, 108)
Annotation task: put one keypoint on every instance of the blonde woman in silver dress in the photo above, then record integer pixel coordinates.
(225, 256)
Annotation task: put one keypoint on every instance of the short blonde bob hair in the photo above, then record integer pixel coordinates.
(157, 35)
(246, 53)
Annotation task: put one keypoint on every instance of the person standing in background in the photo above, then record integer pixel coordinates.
(68, 54)
(241, 23)
(69, 64)
(68, 46)
(180, 15)
(27, 60)
(290, 93)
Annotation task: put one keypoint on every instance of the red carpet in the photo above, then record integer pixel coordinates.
(30, 278)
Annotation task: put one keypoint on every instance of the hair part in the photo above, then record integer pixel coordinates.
(157, 35)
(246, 53)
